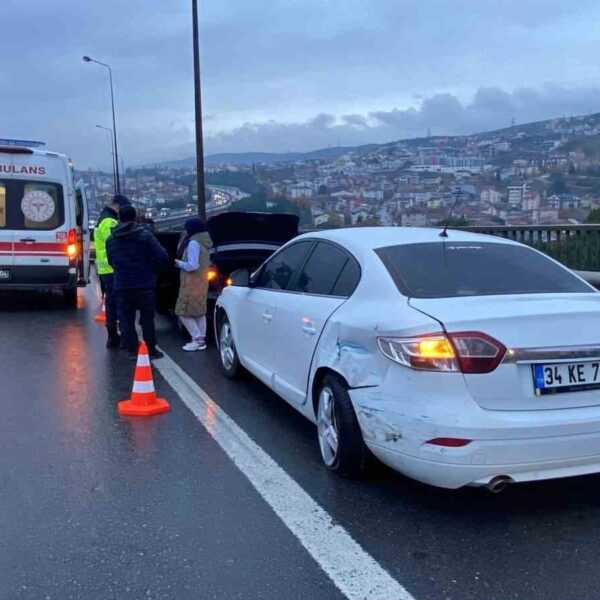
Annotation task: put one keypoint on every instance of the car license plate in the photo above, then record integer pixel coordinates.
(566, 377)
(4, 274)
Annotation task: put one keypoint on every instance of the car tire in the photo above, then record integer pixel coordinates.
(340, 438)
(228, 357)
(70, 297)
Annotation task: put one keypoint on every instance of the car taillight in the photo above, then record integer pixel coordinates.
(477, 352)
(72, 246)
(426, 353)
(467, 352)
(211, 274)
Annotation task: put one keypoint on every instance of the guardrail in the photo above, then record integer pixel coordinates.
(576, 246)
(171, 222)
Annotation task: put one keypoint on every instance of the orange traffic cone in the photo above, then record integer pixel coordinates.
(143, 401)
(101, 316)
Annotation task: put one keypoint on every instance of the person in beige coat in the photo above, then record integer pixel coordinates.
(193, 258)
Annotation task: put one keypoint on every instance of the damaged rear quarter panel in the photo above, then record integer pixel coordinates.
(349, 346)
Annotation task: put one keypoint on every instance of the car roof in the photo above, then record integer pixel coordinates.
(371, 238)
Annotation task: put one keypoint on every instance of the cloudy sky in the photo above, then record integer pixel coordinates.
(283, 75)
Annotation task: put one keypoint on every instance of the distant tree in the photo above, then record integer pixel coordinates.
(249, 204)
(335, 221)
(303, 203)
(593, 216)
(368, 222)
(243, 180)
(559, 185)
(454, 222)
(323, 191)
(174, 204)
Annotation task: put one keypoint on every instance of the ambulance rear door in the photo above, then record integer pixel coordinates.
(6, 235)
(42, 207)
(83, 228)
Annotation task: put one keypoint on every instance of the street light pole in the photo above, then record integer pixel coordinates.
(198, 106)
(87, 59)
(123, 173)
(112, 146)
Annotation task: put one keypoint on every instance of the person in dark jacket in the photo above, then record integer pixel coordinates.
(136, 257)
(107, 220)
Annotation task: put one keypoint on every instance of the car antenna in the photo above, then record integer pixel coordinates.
(444, 232)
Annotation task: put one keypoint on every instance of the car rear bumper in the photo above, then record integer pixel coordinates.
(466, 471)
(523, 445)
(40, 278)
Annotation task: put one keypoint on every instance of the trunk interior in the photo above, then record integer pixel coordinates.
(228, 261)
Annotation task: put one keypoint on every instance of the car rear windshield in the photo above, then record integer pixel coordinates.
(31, 205)
(450, 269)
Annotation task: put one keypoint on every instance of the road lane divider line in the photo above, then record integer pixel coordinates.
(353, 571)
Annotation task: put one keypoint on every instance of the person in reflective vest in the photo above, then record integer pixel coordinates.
(107, 220)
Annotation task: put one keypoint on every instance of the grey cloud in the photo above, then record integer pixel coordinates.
(443, 114)
(349, 60)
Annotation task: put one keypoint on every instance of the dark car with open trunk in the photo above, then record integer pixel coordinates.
(241, 240)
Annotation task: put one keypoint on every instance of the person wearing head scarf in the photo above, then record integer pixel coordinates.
(193, 259)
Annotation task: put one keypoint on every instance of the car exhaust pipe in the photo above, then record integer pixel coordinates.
(499, 484)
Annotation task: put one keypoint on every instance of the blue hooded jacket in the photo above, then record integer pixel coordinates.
(136, 257)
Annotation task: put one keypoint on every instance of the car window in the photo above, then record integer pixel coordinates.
(79, 208)
(322, 270)
(278, 272)
(450, 269)
(348, 279)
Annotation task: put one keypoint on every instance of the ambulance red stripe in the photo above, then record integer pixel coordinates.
(34, 248)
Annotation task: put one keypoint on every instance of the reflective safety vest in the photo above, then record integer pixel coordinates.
(102, 232)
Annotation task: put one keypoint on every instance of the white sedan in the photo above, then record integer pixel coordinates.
(459, 360)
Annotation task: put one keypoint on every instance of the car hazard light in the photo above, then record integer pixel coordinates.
(467, 352)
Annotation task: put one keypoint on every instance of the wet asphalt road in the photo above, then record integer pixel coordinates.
(96, 506)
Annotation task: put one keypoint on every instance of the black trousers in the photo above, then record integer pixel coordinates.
(107, 285)
(130, 302)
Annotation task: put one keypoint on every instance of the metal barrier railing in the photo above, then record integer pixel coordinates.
(576, 246)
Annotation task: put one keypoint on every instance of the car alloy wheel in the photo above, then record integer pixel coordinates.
(227, 352)
(226, 346)
(327, 427)
(340, 438)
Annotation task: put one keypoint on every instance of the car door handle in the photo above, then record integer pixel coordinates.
(309, 328)
(27, 240)
(267, 316)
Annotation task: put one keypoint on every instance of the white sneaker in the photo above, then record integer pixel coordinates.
(194, 346)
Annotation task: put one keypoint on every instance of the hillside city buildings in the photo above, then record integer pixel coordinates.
(540, 173)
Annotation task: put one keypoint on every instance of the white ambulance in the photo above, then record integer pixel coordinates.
(44, 234)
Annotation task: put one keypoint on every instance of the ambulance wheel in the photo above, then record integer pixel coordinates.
(70, 297)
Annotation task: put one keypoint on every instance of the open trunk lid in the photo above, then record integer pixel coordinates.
(251, 227)
(537, 329)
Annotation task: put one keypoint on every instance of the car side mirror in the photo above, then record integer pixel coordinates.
(240, 278)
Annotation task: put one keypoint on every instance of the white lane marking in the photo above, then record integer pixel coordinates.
(354, 572)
